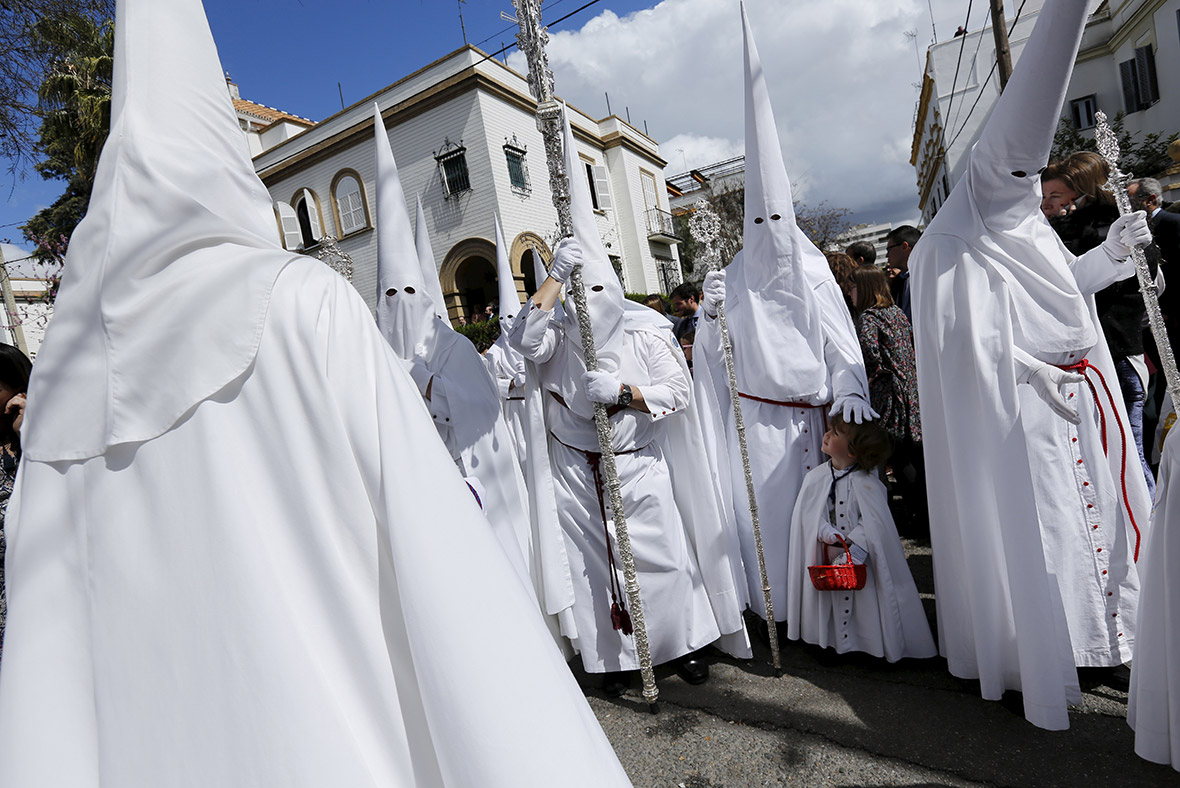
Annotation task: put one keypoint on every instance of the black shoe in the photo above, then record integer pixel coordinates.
(615, 684)
(1116, 678)
(693, 669)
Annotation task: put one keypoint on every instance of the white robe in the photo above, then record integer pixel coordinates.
(505, 363)
(465, 406)
(1153, 705)
(683, 566)
(291, 586)
(783, 441)
(1018, 561)
(885, 618)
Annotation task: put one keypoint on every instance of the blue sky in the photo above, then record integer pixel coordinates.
(842, 75)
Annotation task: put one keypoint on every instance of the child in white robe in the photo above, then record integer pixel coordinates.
(845, 497)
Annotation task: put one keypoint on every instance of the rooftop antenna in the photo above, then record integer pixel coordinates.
(462, 27)
(608, 112)
(933, 29)
(341, 91)
(912, 35)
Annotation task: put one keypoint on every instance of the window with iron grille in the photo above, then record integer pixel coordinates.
(452, 165)
(518, 174)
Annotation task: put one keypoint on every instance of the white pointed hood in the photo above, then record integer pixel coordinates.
(770, 287)
(405, 310)
(995, 208)
(426, 260)
(168, 276)
(604, 292)
(509, 297)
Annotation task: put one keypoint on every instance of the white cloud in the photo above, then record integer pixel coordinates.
(841, 75)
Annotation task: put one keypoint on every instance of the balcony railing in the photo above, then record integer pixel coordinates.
(660, 226)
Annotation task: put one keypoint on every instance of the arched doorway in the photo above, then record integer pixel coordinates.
(527, 267)
(475, 281)
(468, 277)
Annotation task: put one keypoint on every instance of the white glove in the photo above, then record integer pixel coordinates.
(828, 534)
(1126, 233)
(518, 381)
(567, 257)
(1047, 381)
(714, 292)
(601, 387)
(853, 409)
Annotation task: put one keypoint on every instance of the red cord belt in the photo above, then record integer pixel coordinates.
(788, 404)
(1082, 368)
(619, 617)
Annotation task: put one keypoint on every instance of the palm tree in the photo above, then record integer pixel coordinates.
(75, 110)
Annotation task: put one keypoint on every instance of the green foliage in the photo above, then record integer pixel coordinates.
(483, 334)
(75, 108)
(27, 59)
(1141, 158)
(636, 297)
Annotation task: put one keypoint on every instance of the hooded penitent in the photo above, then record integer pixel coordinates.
(997, 205)
(405, 310)
(604, 292)
(280, 581)
(426, 259)
(145, 325)
(770, 294)
(509, 298)
(1027, 515)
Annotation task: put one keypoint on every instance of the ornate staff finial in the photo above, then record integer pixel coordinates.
(334, 257)
(1108, 148)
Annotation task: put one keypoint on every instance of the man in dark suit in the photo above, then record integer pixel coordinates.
(1145, 196)
(898, 245)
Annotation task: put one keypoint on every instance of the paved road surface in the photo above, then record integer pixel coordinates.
(858, 721)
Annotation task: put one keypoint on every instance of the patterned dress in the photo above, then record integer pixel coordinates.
(7, 478)
(887, 342)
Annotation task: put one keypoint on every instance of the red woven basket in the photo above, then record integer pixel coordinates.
(838, 577)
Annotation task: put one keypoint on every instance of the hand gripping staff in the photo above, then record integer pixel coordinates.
(704, 226)
(1108, 147)
(532, 39)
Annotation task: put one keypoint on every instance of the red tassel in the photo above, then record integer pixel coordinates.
(620, 618)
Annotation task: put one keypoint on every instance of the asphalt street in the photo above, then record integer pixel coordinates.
(854, 720)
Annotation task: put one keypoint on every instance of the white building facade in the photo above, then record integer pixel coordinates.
(464, 134)
(1129, 62)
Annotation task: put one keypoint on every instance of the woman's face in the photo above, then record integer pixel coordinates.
(852, 294)
(1056, 197)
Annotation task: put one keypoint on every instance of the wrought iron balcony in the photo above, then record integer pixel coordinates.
(660, 226)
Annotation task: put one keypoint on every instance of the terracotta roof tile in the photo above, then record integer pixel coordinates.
(267, 114)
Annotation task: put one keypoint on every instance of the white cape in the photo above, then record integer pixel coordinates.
(1153, 705)
(291, 586)
(885, 618)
